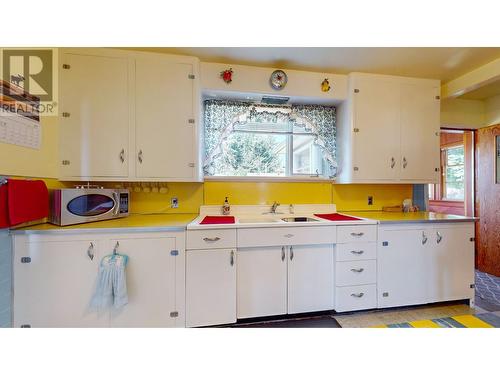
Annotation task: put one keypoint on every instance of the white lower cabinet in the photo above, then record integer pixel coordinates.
(55, 277)
(310, 278)
(262, 281)
(425, 263)
(284, 279)
(355, 297)
(210, 287)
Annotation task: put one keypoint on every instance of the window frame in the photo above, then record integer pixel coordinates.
(444, 165)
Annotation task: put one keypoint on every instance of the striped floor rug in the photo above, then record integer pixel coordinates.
(486, 320)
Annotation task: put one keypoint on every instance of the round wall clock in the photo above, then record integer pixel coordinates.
(278, 79)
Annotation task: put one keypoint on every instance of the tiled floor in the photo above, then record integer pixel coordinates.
(487, 300)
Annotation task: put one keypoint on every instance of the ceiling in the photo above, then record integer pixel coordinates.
(444, 63)
(484, 92)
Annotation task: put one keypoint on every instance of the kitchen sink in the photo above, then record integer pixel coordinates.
(298, 219)
(256, 220)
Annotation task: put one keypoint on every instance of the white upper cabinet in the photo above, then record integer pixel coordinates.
(388, 130)
(94, 112)
(165, 105)
(129, 116)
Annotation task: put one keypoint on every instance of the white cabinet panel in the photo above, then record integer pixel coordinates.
(420, 132)
(352, 298)
(356, 272)
(249, 237)
(94, 135)
(165, 121)
(210, 287)
(55, 288)
(377, 135)
(151, 281)
(262, 281)
(356, 233)
(356, 251)
(402, 267)
(310, 278)
(211, 239)
(451, 264)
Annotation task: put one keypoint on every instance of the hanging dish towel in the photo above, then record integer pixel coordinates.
(4, 211)
(111, 285)
(27, 200)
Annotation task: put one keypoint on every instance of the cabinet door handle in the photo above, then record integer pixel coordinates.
(357, 270)
(90, 251)
(282, 253)
(139, 156)
(393, 162)
(211, 239)
(405, 162)
(424, 238)
(359, 234)
(357, 295)
(439, 237)
(291, 252)
(357, 252)
(122, 155)
(232, 258)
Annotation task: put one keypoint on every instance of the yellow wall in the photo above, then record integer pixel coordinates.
(346, 197)
(492, 112)
(22, 161)
(462, 113)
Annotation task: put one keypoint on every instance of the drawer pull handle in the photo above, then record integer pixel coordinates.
(357, 295)
(357, 270)
(359, 234)
(289, 235)
(357, 252)
(211, 239)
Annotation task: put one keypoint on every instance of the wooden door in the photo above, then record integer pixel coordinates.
(95, 116)
(420, 133)
(310, 278)
(165, 120)
(262, 281)
(150, 282)
(210, 287)
(55, 287)
(487, 201)
(376, 129)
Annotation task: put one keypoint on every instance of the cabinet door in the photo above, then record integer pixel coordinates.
(420, 133)
(262, 281)
(165, 128)
(150, 282)
(310, 278)
(95, 131)
(55, 288)
(451, 263)
(210, 287)
(402, 266)
(376, 125)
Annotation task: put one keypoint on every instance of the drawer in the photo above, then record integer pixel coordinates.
(351, 298)
(252, 237)
(356, 251)
(211, 239)
(356, 272)
(356, 233)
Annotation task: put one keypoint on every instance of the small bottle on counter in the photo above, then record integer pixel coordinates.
(226, 208)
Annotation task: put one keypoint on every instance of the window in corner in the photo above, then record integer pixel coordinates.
(260, 140)
(453, 173)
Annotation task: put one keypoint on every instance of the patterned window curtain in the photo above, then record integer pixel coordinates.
(222, 116)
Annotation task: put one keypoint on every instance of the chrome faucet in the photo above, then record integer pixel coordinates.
(274, 207)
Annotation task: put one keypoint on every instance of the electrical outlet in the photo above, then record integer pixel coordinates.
(370, 200)
(174, 202)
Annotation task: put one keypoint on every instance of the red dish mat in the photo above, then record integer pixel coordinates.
(218, 220)
(336, 217)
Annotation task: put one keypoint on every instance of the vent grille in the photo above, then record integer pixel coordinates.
(275, 99)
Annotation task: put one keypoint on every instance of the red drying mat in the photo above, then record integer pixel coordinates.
(336, 217)
(218, 220)
(4, 212)
(27, 201)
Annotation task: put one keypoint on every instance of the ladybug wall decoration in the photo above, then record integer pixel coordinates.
(325, 85)
(227, 75)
